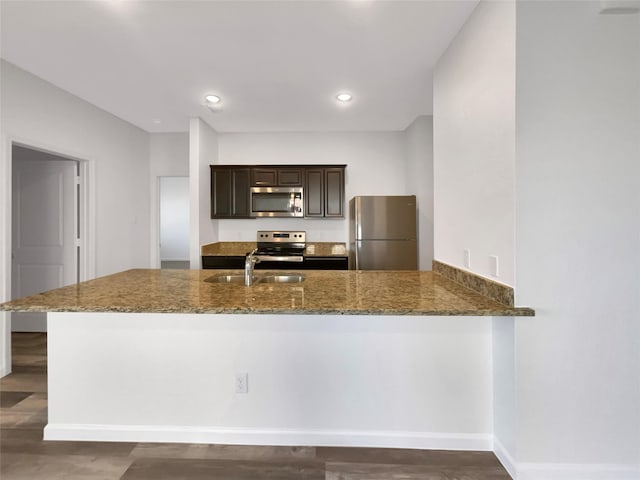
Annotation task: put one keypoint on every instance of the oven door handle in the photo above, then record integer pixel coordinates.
(280, 258)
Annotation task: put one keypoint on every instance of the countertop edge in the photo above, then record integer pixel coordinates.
(514, 312)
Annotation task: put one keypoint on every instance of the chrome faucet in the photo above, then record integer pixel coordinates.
(249, 263)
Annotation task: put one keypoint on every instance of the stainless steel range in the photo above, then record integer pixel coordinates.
(278, 250)
(281, 246)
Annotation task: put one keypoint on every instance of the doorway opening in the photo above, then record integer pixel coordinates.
(174, 222)
(46, 227)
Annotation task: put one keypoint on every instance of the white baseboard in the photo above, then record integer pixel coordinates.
(420, 440)
(562, 471)
(242, 436)
(505, 458)
(568, 471)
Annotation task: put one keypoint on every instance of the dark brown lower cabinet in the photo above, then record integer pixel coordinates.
(234, 262)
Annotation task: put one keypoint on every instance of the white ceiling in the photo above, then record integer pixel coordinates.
(276, 64)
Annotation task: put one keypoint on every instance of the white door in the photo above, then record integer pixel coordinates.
(44, 254)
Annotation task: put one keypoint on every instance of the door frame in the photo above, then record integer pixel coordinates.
(87, 207)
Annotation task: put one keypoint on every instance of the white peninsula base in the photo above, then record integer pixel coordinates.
(376, 381)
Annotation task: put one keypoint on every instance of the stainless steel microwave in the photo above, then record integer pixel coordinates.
(277, 202)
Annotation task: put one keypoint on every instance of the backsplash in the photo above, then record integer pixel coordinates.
(488, 288)
(318, 230)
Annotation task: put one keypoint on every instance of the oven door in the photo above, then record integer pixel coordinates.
(276, 202)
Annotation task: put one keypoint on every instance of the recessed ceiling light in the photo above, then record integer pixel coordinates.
(156, 121)
(344, 97)
(212, 99)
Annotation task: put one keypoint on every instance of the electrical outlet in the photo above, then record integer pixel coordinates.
(467, 258)
(494, 266)
(242, 382)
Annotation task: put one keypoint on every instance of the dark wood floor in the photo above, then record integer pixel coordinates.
(24, 455)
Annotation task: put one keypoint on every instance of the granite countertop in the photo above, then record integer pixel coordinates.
(346, 292)
(240, 249)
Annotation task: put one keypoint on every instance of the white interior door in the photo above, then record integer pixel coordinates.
(44, 254)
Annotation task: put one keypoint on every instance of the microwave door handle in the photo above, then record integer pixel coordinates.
(295, 208)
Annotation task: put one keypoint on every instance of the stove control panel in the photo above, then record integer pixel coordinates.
(283, 237)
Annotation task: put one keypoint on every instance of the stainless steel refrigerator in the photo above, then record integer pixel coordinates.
(382, 233)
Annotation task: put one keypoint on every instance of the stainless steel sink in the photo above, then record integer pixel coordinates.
(290, 278)
(239, 279)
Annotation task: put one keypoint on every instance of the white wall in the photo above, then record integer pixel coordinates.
(375, 166)
(474, 143)
(168, 157)
(419, 181)
(203, 151)
(578, 237)
(169, 154)
(38, 114)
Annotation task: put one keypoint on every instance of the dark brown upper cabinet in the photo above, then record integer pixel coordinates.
(324, 192)
(323, 188)
(230, 192)
(334, 192)
(314, 192)
(276, 177)
(290, 177)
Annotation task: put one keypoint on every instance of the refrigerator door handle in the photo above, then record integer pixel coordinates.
(356, 264)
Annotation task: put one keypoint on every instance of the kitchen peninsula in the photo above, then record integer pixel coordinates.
(395, 359)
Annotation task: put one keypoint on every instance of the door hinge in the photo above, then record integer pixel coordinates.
(77, 180)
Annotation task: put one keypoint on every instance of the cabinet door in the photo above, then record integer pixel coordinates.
(222, 262)
(334, 192)
(240, 182)
(264, 177)
(290, 177)
(314, 193)
(220, 192)
(230, 192)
